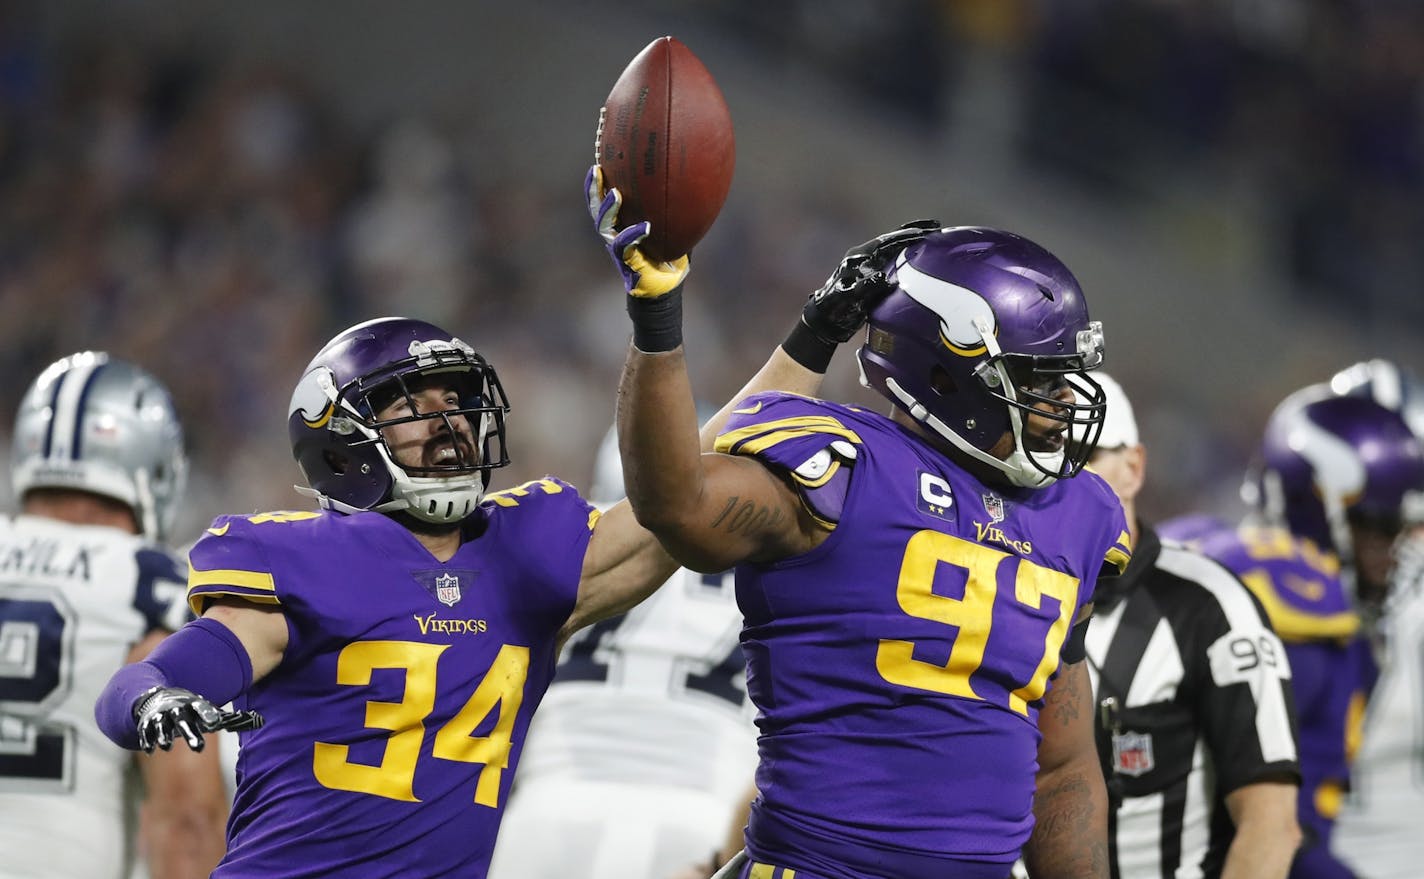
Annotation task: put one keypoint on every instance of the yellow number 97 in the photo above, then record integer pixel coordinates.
(972, 615)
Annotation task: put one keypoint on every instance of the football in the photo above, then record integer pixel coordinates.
(665, 141)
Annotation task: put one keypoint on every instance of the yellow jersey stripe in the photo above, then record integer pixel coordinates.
(242, 579)
(1118, 558)
(1297, 625)
(759, 437)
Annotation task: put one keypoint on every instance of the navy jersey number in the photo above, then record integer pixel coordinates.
(713, 665)
(35, 661)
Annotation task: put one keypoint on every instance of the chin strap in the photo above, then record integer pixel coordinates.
(147, 509)
(421, 501)
(1017, 467)
(329, 503)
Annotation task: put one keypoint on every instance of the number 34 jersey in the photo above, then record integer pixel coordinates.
(395, 718)
(898, 668)
(74, 600)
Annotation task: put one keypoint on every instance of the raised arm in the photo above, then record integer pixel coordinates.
(710, 511)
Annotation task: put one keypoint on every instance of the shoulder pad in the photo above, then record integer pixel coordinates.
(813, 441)
(787, 430)
(228, 558)
(531, 492)
(1093, 489)
(1297, 584)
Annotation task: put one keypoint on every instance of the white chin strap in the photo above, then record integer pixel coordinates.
(145, 507)
(438, 499)
(441, 500)
(1018, 466)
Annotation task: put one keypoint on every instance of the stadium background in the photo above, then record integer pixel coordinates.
(213, 189)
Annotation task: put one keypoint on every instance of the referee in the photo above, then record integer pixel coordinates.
(1196, 726)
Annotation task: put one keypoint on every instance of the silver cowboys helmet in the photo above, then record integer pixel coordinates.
(94, 423)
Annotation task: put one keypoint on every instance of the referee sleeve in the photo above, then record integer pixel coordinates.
(1246, 704)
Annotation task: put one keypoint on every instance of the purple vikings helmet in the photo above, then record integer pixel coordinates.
(980, 326)
(1327, 462)
(337, 440)
(1385, 382)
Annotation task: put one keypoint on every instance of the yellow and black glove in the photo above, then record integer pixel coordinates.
(654, 288)
(641, 277)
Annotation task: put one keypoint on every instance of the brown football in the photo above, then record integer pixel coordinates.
(665, 141)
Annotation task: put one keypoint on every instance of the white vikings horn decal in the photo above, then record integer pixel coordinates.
(957, 308)
(315, 398)
(1338, 468)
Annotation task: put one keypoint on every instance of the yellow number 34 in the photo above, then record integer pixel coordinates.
(394, 777)
(972, 615)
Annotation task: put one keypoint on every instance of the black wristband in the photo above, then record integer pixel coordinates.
(657, 321)
(808, 349)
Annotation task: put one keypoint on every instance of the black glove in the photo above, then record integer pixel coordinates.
(838, 310)
(164, 713)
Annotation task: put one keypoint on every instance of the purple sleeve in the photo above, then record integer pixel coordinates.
(113, 712)
(204, 656)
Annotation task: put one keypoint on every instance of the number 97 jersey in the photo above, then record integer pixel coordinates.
(898, 668)
(74, 600)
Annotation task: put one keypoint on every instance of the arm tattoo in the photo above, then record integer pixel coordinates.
(1069, 703)
(740, 516)
(1068, 831)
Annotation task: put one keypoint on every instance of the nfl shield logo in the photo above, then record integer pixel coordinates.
(1132, 753)
(994, 506)
(447, 589)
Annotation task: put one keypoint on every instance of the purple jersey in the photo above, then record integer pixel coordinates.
(898, 668)
(1331, 665)
(396, 717)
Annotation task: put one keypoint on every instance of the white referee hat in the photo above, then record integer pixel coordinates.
(1119, 425)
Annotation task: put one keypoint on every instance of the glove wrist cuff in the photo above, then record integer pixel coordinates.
(140, 704)
(809, 348)
(657, 321)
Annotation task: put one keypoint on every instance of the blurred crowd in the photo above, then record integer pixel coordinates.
(1314, 104)
(217, 219)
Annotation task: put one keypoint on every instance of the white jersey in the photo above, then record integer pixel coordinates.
(74, 600)
(1378, 829)
(647, 712)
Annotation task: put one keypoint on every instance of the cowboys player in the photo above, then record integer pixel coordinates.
(98, 467)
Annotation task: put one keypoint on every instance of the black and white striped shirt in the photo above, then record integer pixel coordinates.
(1194, 702)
